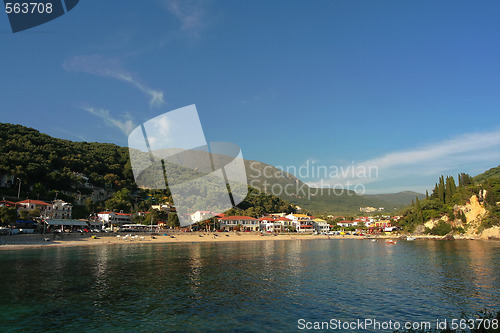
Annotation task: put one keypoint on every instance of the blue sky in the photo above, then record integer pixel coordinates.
(412, 88)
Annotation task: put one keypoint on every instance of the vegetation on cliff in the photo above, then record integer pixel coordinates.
(446, 199)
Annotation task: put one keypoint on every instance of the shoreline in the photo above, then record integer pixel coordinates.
(20, 242)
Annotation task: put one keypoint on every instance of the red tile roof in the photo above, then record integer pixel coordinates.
(7, 203)
(108, 212)
(236, 218)
(34, 202)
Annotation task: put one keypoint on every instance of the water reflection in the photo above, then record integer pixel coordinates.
(244, 285)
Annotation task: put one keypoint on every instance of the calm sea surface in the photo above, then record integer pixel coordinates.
(244, 286)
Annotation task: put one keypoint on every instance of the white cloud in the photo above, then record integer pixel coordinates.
(102, 66)
(125, 126)
(455, 150)
(427, 161)
(190, 13)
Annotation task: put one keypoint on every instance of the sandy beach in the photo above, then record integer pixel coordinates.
(55, 240)
(29, 241)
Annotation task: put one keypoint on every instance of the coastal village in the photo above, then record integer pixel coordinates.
(56, 216)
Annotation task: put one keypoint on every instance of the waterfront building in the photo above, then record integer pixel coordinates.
(301, 222)
(112, 218)
(320, 225)
(244, 223)
(269, 224)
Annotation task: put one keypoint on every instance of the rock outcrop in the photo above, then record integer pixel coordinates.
(491, 233)
(474, 211)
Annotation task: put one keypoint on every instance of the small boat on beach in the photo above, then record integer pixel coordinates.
(410, 238)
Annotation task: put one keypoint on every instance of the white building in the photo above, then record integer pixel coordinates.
(269, 224)
(285, 223)
(301, 222)
(346, 224)
(164, 207)
(321, 225)
(61, 210)
(108, 218)
(244, 223)
(45, 208)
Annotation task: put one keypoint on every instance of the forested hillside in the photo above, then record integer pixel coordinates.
(47, 163)
(50, 167)
(447, 203)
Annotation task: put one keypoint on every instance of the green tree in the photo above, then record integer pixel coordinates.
(418, 212)
(34, 213)
(441, 229)
(173, 220)
(119, 201)
(464, 180)
(8, 215)
(441, 190)
(24, 214)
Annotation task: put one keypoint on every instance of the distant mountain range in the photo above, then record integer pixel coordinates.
(269, 179)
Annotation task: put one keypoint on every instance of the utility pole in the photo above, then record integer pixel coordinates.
(19, 191)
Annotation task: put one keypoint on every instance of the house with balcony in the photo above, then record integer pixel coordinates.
(108, 218)
(286, 224)
(242, 223)
(320, 225)
(270, 224)
(44, 207)
(301, 222)
(61, 210)
(346, 224)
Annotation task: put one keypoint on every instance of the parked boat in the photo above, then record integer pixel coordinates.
(410, 238)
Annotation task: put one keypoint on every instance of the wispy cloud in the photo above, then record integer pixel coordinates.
(190, 13)
(126, 126)
(102, 66)
(429, 160)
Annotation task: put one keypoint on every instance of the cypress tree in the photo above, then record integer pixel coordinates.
(453, 186)
(418, 208)
(441, 190)
(426, 195)
(447, 191)
(435, 191)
